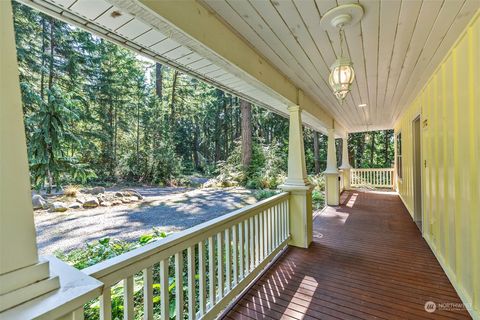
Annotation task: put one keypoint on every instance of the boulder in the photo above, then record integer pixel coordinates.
(116, 202)
(105, 204)
(74, 205)
(126, 200)
(119, 194)
(91, 203)
(58, 206)
(80, 200)
(101, 198)
(132, 192)
(97, 190)
(39, 202)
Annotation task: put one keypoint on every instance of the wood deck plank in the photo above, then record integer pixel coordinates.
(368, 261)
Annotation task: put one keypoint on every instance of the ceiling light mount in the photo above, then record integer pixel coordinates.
(342, 16)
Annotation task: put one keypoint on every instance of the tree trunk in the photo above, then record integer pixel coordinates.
(172, 99)
(218, 128)
(387, 162)
(196, 146)
(316, 152)
(42, 72)
(158, 80)
(246, 111)
(372, 149)
(50, 151)
(138, 135)
(225, 128)
(52, 57)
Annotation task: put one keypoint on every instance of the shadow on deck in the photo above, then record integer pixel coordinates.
(368, 260)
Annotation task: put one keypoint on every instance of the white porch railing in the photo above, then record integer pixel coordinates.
(232, 250)
(376, 178)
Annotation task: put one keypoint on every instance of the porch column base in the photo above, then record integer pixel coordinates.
(300, 206)
(332, 188)
(66, 290)
(346, 178)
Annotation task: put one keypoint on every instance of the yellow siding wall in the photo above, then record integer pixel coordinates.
(450, 103)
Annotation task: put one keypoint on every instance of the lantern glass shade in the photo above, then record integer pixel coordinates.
(341, 77)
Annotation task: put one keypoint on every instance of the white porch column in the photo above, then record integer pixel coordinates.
(22, 276)
(19, 265)
(297, 184)
(332, 185)
(345, 164)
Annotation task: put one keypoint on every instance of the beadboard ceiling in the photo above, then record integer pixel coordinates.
(395, 48)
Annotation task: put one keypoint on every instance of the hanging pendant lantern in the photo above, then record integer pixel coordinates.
(342, 73)
(341, 77)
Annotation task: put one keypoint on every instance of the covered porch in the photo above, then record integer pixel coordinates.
(363, 259)
(367, 260)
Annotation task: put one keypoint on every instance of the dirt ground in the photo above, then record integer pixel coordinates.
(168, 209)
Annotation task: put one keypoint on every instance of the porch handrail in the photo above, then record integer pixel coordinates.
(372, 177)
(238, 245)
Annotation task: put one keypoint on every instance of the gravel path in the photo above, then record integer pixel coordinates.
(168, 209)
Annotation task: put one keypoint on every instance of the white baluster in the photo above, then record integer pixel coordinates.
(220, 264)
(128, 312)
(202, 284)
(191, 282)
(228, 261)
(235, 254)
(211, 271)
(164, 292)
(257, 242)
(106, 304)
(179, 285)
(148, 294)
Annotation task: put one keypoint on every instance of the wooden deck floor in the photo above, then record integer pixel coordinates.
(368, 260)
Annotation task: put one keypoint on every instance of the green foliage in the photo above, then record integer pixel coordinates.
(266, 171)
(107, 248)
(264, 194)
(318, 193)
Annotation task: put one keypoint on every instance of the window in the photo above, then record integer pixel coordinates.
(399, 155)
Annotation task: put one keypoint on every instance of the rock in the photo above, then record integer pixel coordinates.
(38, 202)
(80, 200)
(126, 200)
(101, 199)
(132, 192)
(74, 205)
(119, 194)
(58, 206)
(105, 204)
(116, 202)
(91, 203)
(97, 190)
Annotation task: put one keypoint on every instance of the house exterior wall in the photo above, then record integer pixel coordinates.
(449, 106)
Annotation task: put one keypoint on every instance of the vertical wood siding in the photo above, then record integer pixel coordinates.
(450, 103)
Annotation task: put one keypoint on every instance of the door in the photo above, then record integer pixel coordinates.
(417, 173)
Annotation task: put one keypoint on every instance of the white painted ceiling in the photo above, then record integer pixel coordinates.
(395, 48)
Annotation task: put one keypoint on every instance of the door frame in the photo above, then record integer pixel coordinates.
(417, 175)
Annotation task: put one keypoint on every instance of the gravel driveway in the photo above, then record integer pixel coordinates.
(168, 209)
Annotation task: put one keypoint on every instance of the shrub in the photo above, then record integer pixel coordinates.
(71, 190)
(266, 170)
(264, 194)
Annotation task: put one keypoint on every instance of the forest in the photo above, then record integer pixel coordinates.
(98, 113)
